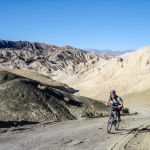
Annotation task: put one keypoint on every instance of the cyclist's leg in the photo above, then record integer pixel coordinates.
(119, 115)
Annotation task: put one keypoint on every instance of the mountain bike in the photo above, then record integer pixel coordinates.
(113, 119)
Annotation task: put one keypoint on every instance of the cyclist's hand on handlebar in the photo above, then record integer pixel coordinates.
(108, 103)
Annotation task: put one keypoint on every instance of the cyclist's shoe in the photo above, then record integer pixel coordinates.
(119, 119)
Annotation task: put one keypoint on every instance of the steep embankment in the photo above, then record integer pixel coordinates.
(25, 99)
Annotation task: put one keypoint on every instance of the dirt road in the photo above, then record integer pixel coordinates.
(89, 134)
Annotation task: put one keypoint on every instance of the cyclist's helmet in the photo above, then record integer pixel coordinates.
(113, 91)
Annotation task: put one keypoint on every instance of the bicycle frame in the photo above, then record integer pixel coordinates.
(113, 120)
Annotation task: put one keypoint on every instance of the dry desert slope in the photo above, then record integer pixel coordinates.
(128, 73)
(26, 99)
(93, 75)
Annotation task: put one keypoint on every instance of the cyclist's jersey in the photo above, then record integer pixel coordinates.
(116, 102)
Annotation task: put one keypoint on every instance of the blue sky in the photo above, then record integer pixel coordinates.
(97, 24)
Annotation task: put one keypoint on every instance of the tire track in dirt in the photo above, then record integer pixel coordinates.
(137, 138)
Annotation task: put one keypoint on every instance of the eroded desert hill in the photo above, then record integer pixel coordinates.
(128, 73)
(91, 74)
(49, 60)
(30, 100)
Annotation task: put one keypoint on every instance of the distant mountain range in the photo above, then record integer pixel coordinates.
(109, 52)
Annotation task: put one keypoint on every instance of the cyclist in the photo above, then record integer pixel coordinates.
(116, 102)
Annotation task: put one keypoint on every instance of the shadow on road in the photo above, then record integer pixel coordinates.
(133, 130)
(8, 124)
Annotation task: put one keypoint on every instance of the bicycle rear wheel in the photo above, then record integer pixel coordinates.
(117, 123)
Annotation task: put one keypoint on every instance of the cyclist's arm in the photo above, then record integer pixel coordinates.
(121, 103)
(119, 106)
(108, 103)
